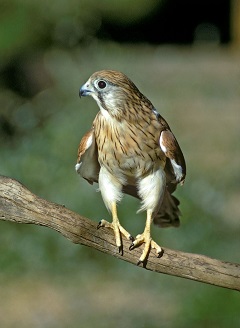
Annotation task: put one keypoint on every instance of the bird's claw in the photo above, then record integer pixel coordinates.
(131, 247)
(149, 244)
(118, 231)
(104, 223)
(160, 253)
(120, 250)
(131, 238)
(99, 224)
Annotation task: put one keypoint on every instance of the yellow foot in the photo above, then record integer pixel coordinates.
(118, 230)
(149, 244)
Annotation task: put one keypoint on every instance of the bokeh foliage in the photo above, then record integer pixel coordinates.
(48, 50)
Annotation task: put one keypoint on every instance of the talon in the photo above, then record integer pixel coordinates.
(131, 238)
(99, 224)
(160, 254)
(131, 247)
(120, 250)
(149, 244)
(139, 262)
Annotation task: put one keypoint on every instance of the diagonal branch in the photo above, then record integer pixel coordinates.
(18, 204)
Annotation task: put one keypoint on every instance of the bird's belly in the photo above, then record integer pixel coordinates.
(129, 163)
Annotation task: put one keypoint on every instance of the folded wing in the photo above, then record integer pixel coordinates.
(87, 163)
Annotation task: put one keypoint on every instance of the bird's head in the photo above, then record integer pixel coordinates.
(113, 91)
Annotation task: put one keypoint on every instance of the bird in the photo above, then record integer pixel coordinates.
(130, 149)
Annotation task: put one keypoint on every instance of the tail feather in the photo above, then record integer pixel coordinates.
(168, 213)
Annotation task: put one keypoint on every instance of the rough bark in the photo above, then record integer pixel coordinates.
(18, 204)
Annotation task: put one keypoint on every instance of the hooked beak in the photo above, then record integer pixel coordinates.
(84, 90)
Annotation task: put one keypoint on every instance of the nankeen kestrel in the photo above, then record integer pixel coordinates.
(131, 149)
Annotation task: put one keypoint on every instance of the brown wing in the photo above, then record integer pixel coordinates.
(175, 169)
(87, 162)
(175, 166)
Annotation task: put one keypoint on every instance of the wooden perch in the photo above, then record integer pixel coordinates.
(18, 204)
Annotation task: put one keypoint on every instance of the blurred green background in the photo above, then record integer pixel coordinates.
(47, 51)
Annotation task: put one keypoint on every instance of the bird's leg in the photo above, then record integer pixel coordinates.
(116, 226)
(145, 237)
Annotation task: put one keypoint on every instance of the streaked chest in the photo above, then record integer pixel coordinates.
(131, 149)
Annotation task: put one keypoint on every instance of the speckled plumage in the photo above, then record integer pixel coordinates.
(131, 149)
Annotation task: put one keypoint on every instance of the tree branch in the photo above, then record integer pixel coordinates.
(18, 204)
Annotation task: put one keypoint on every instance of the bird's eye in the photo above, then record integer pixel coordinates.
(102, 84)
